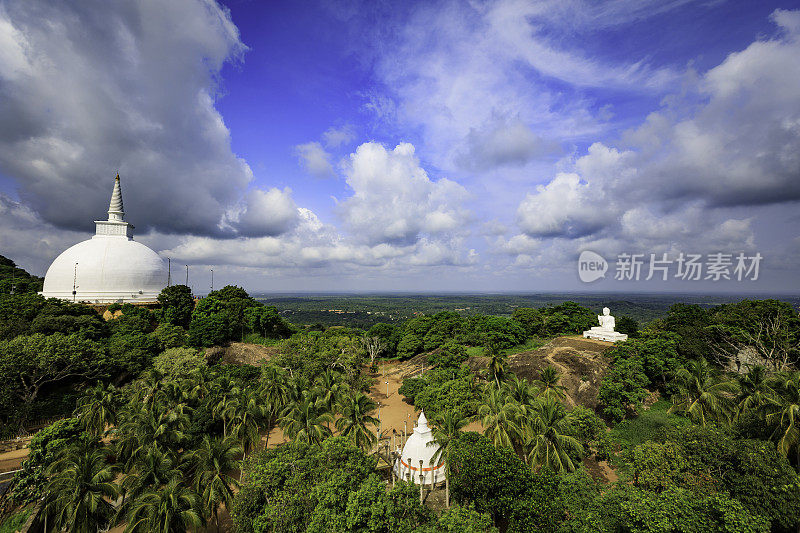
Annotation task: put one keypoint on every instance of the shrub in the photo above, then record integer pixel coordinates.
(179, 362)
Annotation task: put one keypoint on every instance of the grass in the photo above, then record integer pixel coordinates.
(531, 344)
(631, 433)
(473, 351)
(255, 338)
(15, 521)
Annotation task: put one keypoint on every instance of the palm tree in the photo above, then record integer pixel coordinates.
(151, 390)
(549, 383)
(546, 442)
(199, 385)
(275, 391)
(248, 413)
(702, 395)
(97, 408)
(226, 407)
(521, 391)
(172, 508)
(356, 409)
(78, 495)
(297, 388)
(142, 427)
(499, 418)
(274, 387)
(214, 460)
(446, 429)
(304, 421)
(787, 415)
(497, 362)
(755, 391)
(329, 389)
(152, 468)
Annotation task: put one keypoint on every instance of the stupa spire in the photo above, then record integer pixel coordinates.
(115, 210)
(115, 226)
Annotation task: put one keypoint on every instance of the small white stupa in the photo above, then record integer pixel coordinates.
(605, 331)
(417, 456)
(110, 267)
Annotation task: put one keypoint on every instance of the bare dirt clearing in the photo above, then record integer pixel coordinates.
(242, 353)
(580, 361)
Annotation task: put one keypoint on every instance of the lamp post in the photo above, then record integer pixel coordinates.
(421, 481)
(187, 275)
(75, 283)
(212, 280)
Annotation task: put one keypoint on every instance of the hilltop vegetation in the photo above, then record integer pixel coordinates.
(364, 310)
(13, 279)
(154, 421)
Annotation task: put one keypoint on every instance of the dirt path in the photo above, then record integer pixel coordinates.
(397, 417)
(12, 460)
(608, 472)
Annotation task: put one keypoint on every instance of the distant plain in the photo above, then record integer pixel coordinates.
(363, 310)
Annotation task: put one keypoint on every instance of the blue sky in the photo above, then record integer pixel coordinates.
(470, 146)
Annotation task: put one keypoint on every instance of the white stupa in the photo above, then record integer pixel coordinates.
(110, 267)
(415, 450)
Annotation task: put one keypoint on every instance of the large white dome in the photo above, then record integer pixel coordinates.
(110, 267)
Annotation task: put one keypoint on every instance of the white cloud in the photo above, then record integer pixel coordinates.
(394, 200)
(28, 240)
(683, 176)
(317, 246)
(398, 220)
(459, 66)
(566, 206)
(336, 137)
(503, 142)
(314, 159)
(82, 95)
(264, 212)
(742, 147)
(514, 24)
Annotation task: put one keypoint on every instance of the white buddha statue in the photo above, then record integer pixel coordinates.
(605, 331)
(607, 321)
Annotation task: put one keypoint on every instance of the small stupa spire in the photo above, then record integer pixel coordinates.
(115, 210)
(422, 422)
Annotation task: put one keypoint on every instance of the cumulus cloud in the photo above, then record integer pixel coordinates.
(314, 159)
(679, 181)
(503, 143)
(742, 147)
(397, 219)
(567, 206)
(91, 88)
(336, 137)
(264, 212)
(314, 245)
(394, 200)
(29, 240)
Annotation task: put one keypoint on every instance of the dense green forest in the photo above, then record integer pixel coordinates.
(365, 310)
(156, 434)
